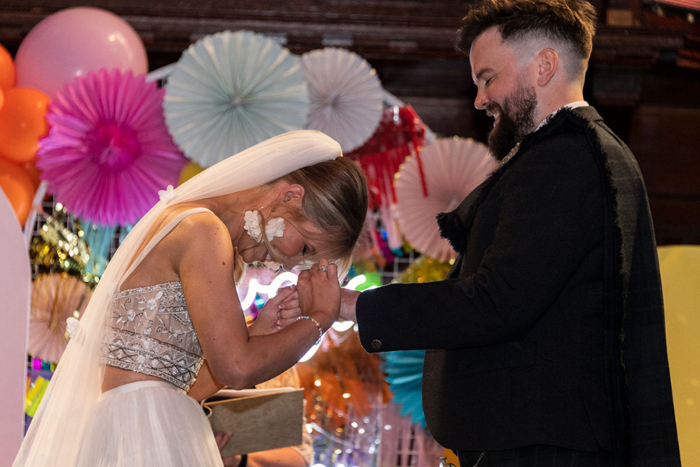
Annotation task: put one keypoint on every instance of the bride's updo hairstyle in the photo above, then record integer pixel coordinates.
(335, 200)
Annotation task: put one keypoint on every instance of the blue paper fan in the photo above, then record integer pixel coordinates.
(404, 373)
(230, 91)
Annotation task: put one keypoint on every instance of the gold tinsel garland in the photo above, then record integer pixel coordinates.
(58, 249)
(425, 269)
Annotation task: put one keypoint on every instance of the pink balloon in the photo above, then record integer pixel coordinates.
(73, 42)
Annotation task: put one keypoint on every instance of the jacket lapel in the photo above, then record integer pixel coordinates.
(456, 225)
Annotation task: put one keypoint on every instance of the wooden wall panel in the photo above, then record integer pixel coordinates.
(634, 78)
(666, 142)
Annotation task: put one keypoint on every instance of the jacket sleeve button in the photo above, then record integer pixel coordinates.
(376, 344)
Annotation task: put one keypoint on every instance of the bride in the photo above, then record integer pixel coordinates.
(166, 311)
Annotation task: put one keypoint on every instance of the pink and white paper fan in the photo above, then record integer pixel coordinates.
(108, 152)
(346, 96)
(452, 167)
(55, 298)
(230, 91)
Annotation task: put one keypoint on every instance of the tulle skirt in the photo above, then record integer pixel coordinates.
(148, 424)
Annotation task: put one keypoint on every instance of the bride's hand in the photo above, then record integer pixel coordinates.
(222, 440)
(279, 312)
(319, 293)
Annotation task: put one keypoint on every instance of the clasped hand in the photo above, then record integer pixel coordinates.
(279, 312)
(319, 293)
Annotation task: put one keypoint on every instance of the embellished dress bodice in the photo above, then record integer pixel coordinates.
(150, 332)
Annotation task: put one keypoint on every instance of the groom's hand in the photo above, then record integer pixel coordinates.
(348, 303)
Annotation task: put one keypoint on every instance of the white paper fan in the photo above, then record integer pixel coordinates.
(231, 90)
(345, 94)
(55, 298)
(453, 167)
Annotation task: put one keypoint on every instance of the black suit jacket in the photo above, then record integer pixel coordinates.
(524, 333)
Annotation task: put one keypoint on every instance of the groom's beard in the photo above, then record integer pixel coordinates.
(516, 121)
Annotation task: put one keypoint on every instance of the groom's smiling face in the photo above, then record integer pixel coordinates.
(504, 91)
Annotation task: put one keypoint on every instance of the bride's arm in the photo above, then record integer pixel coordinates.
(280, 310)
(206, 384)
(267, 322)
(203, 260)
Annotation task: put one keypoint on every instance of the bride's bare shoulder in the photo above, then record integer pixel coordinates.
(202, 232)
(193, 219)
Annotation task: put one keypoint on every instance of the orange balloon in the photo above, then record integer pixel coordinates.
(22, 123)
(8, 75)
(2, 98)
(33, 173)
(18, 188)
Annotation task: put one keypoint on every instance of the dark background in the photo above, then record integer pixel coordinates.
(644, 75)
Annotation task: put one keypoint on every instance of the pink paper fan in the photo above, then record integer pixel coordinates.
(55, 298)
(108, 151)
(453, 167)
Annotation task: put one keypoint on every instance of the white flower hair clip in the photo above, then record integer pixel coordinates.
(167, 194)
(273, 228)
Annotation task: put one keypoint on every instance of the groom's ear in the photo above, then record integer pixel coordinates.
(293, 194)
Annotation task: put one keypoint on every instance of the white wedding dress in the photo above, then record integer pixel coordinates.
(148, 423)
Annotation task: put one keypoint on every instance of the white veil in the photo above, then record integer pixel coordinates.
(56, 430)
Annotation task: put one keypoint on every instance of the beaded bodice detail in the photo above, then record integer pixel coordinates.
(150, 332)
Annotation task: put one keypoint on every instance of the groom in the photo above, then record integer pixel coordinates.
(546, 342)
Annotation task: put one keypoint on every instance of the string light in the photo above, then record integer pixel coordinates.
(256, 288)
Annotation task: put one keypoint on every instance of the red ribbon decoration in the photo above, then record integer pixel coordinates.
(400, 134)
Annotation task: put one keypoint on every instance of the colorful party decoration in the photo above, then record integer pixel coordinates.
(452, 168)
(73, 42)
(22, 123)
(55, 298)
(406, 444)
(190, 170)
(99, 239)
(18, 189)
(345, 94)
(345, 393)
(108, 152)
(400, 134)
(8, 75)
(33, 173)
(60, 249)
(34, 395)
(404, 373)
(425, 269)
(230, 91)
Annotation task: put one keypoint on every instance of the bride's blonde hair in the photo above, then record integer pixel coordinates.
(335, 200)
